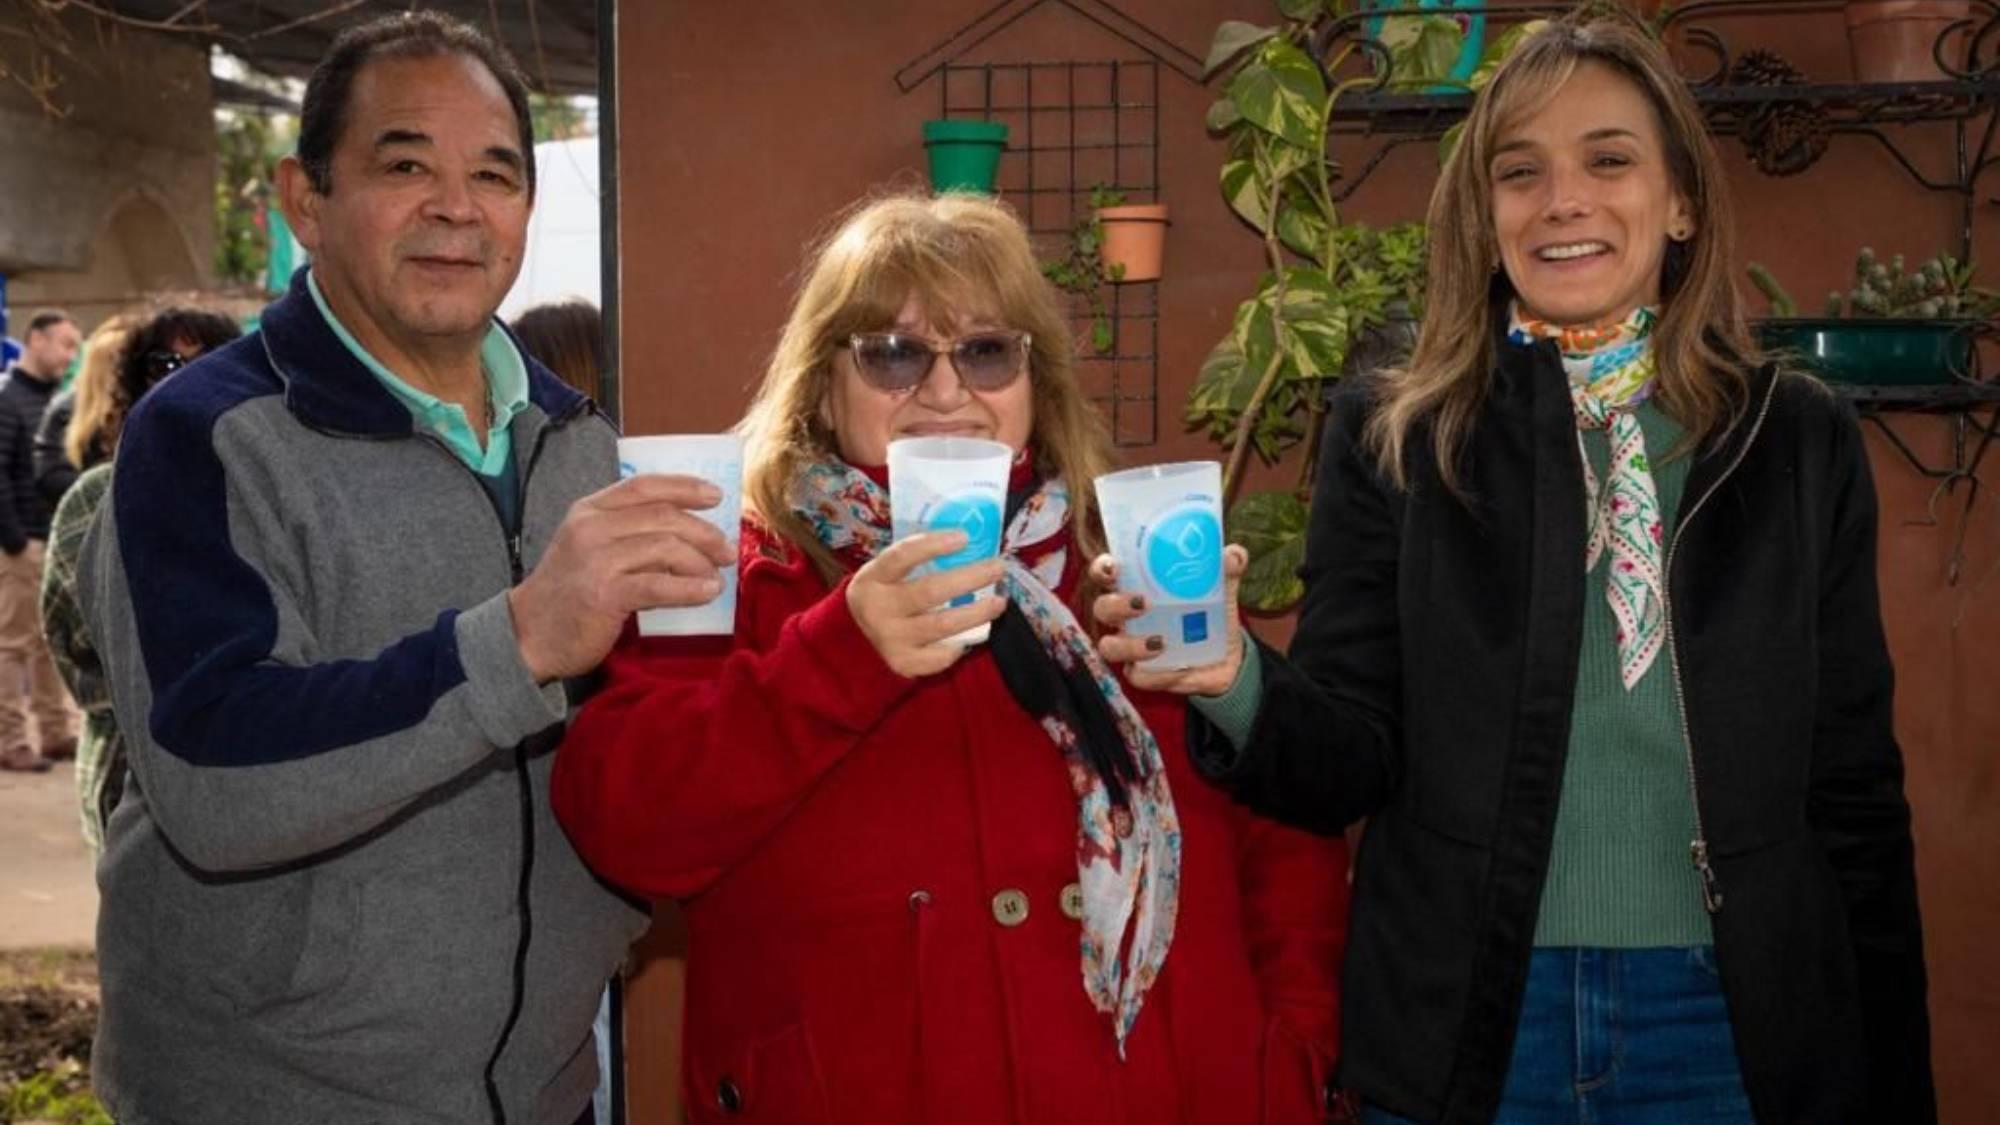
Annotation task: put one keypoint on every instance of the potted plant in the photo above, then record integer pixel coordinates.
(1134, 238)
(1895, 327)
(1084, 266)
(964, 155)
(1327, 285)
(1431, 48)
(1900, 40)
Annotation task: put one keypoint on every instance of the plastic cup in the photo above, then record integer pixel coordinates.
(951, 484)
(717, 459)
(1164, 523)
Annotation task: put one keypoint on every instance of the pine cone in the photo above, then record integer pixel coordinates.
(1783, 138)
(1764, 68)
(1786, 139)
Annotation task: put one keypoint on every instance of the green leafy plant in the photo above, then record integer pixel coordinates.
(1082, 270)
(248, 146)
(1940, 288)
(62, 1098)
(1262, 388)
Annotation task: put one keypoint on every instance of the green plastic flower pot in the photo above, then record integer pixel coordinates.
(1874, 353)
(964, 154)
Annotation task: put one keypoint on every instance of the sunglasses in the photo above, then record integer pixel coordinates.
(898, 362)
(161, 364)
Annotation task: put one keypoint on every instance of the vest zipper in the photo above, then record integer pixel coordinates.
(523, 893)
(1698, 852)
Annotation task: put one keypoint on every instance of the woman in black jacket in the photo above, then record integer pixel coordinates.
(1591, 637)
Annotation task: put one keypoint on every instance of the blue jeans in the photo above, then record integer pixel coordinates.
(1620, 1037)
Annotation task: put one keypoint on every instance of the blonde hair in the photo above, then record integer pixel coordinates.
(1703, 341)
(958, 256)
(97, 411)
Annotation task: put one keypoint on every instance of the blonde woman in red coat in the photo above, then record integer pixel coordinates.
(927, 883)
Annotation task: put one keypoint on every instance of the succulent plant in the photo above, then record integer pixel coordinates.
(1939, 288)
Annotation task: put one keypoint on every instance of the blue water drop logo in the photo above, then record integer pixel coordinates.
(627, 470)
(978, 516)
(1183, 554)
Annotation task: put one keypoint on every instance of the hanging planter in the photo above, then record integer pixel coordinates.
(964, 155)
(1436, 52)
(1135, 241)
(1897, 40)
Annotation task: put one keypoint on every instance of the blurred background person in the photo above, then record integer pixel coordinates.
(49, 347)
(567, 336)
(135, 358)
(91, 393)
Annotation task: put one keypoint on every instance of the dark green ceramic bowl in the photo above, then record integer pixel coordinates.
(1872, 352)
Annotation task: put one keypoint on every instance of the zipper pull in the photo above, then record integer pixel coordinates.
(514, 555)
(1711, 893)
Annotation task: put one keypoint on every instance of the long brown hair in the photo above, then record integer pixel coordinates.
(1702, 340)
(958, 255)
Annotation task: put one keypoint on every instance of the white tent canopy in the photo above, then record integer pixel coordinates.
(561, 262)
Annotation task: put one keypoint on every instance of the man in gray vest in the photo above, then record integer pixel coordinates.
(346, 565)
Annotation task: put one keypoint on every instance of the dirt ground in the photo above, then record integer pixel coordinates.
(48, 1012)
(48, 972)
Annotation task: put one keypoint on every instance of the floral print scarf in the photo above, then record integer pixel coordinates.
(1612, 369)
(1128, 846)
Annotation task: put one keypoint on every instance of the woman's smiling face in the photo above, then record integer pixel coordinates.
(1584, 202)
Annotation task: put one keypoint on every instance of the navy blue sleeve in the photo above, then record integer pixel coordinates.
(248, 759)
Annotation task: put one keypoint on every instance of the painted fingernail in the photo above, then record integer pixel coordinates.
(1156, 644)
(1138, 603)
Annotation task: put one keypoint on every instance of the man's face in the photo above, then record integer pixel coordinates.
(48, 351)
(421, 234)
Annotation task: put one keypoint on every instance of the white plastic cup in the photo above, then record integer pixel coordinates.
(1164, 523)
(951, 484)
(717, 459)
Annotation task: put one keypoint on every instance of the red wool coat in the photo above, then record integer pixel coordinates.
(874, 873)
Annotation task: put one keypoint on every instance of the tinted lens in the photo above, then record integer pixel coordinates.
(990, 360)
(159, 365)
(891, 362)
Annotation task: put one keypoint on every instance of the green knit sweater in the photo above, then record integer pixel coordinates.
(1619, 874)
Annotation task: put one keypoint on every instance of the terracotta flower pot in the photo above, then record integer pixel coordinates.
(1893, 40)
(1135, 236)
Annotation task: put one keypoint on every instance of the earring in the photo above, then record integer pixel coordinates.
(1680, 234)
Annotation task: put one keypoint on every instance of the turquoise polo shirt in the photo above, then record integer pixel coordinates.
(506, 378)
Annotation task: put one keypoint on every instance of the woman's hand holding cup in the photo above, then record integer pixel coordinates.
(901, 618)
(1114, 609)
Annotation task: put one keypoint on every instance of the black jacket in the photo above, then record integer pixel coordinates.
(1430, 687)
(53, 472)
(24, 515)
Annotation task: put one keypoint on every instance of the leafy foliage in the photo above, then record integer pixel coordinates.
(248, 146)
(1082, 270)
(1262, 386)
